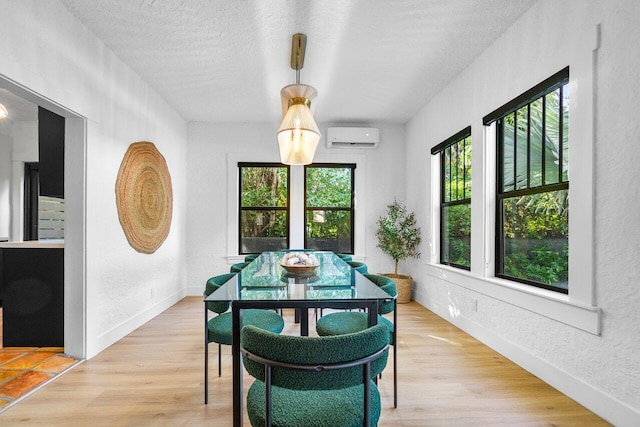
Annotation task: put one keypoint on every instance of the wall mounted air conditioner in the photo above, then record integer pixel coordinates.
(352, 137)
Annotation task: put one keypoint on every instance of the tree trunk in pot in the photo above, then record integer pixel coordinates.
(403, 285)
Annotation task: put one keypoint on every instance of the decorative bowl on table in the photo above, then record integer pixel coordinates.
(300, 263)
(300, 269)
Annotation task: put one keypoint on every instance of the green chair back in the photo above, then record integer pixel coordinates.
(360, 267)
(314, 351)
(250, 257)
(237, 267)
(345, 257)
(389, 286)
(212, 284)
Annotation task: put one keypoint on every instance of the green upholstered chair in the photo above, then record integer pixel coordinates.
(360, 267)
(314, 381)
(219, 328)
(347, 322)
(345, 257)
(237, 267)
(250, 257)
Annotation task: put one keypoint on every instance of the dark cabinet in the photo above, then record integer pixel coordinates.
(51, 153)
(32, 297)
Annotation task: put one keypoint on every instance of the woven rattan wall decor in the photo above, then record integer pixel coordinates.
(144, 197)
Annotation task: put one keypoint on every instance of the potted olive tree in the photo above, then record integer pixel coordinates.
(399, 237)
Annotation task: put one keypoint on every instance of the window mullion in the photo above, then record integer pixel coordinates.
(544, 140)
(450, 173)
(560, 135)
(464, 168)
(528, 146)
(515, 149)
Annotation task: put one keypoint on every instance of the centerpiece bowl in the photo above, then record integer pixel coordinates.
(300, 263)
(300, 269)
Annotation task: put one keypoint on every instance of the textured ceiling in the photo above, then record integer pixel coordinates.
(226, 60)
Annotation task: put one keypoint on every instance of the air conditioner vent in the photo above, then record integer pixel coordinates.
(348, 137)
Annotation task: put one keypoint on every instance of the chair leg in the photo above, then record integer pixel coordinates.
(395, 353)
(206, 358)
(395, 376)
(219, 360)
(206, 374)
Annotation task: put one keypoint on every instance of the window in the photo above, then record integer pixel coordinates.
(532, 204)
(329, 207)
(264, 207)
(43, 215)
(455, 199)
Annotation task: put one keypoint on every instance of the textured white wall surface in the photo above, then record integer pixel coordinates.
(25, 149)
(209, 146)
(601, 371)
(6, 147)
(64, 62)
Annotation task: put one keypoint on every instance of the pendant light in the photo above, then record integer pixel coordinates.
(3, 112)
(298, 134)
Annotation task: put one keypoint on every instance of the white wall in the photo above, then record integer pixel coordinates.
(601, 371)
(210, 144)
(25, 149)
(18, 144)
(6, 147)
(61, 60)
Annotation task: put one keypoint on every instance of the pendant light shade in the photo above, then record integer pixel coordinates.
(298, 134)
(3, 112)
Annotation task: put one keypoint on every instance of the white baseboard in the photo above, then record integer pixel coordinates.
(121, 330)
(604, 405)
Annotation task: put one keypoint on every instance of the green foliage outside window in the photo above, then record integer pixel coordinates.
(457, 235)
(263, 187)
(536, 231)
(455, 247)
(329, 187)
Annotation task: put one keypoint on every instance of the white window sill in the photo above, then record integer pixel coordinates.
(547, 303)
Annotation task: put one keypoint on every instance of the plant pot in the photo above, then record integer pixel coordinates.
(403, 285)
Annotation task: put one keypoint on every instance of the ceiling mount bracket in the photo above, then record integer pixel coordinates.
(298, 47)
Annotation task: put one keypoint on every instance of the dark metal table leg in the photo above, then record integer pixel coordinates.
(236, 314)
(206, 357)
(304, 321)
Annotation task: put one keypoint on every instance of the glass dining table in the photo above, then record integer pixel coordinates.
(264, 283)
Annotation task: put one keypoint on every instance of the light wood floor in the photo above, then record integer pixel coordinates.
(154, 376)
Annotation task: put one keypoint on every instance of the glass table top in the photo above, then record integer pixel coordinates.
(265, 279)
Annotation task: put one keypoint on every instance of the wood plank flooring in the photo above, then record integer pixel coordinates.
(154, 377)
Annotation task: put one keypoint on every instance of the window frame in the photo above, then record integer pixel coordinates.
(31, 198)
(241, 208)
(351, 209)
(461, 136)
(539, 91)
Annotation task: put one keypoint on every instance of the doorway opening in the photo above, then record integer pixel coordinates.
(75, 208)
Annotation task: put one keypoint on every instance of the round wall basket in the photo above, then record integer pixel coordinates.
(144, 197)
